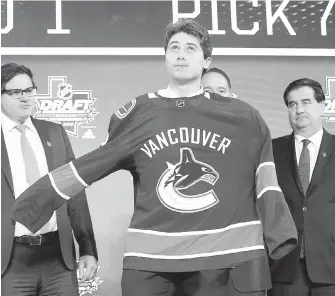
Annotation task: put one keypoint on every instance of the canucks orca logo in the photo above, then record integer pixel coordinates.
(183, 175)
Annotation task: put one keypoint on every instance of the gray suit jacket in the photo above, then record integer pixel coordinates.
(73, 215)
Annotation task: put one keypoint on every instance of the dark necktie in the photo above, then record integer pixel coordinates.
(30, 162)
(304, 172)
(304, 166)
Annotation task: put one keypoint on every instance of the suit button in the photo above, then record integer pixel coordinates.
(304, 209)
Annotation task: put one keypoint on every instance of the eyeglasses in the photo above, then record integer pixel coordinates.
(17, 93)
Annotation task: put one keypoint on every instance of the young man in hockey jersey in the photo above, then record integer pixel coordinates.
(202, 166)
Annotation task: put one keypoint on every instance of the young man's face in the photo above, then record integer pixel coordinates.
(184, 58)
(214, 82)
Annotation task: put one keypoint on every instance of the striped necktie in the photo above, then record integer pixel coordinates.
(304, 173)
(304, 166)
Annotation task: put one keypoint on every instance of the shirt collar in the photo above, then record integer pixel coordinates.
(8, 124)
(315, 139)
(30, 124)
(169, 93)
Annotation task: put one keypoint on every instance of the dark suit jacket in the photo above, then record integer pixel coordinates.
(73, 215)
(313, 214)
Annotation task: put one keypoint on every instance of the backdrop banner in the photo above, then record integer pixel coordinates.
(111, 26)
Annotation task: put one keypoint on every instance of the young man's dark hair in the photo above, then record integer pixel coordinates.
(316, 86)
(190, 27)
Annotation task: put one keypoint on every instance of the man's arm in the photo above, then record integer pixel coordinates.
(34, 207)
(82, 227)
(79, 214)
(279, 229)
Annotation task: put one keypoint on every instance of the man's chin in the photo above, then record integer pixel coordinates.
(183, 78)
(27, 112)
(302, 126)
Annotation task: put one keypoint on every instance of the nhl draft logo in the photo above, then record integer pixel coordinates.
(183, 175)
(71, 108)
(329, 113)
(88, 287)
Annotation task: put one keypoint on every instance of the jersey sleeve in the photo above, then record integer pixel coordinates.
(279, 229)
(35, 206)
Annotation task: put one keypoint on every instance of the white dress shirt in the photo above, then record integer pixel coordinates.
(169, 93)
(12, 138)
(313, 148)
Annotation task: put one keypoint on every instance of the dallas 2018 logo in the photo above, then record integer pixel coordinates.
(89, 287)
(71, 108)
(329, 114)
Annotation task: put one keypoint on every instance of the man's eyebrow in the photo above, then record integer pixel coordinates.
(190, 43)
(222, 87)
(174, 42)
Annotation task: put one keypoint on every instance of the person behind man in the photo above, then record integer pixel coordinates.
(305, 163)
(214, 80)
(200, 164)
(253, 275)
(42, 262)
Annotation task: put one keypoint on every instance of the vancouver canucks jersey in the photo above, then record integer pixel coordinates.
(205, 186)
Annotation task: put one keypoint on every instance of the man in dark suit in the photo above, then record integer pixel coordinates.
(305, 164)
(252, 276)
(41, 263)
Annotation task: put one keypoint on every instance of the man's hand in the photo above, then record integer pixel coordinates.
(88, 267)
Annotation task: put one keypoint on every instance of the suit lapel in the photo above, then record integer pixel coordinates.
(326, 149)
(44, 134)
(293, 163)
(5, 166)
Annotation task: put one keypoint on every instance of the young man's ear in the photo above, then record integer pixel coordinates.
(207, 62)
